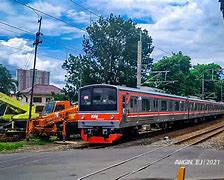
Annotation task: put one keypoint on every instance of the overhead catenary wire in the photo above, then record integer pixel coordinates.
(51, 16)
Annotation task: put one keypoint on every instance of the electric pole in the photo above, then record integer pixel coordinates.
(139, 62)
(203, 86)
(36, 43)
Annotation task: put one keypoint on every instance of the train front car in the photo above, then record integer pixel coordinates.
(99, 117)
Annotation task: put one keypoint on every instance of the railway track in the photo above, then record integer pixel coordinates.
(186, 141)
(201, 135)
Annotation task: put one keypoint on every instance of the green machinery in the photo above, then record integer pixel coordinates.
(14, 115)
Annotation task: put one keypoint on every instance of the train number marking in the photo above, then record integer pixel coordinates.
(94, 116)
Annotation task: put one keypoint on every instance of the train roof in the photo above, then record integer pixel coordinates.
(125, 88)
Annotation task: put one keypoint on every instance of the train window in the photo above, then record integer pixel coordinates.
(155, 105)
(124, 101)
(190, 106)
(133, 104)
(163, 105)
(202, 107)
(98, 99)
(146, 104)
(181, 106)
(199, 107)
(86, 97)
(177, 106)
(195, 106)
(103, 96)
(170, 105)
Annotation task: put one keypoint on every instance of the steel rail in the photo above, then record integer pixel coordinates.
(149, 152)
(169, 154)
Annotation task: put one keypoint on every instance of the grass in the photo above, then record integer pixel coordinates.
(10, 146)
(38, 141)
(7, 146)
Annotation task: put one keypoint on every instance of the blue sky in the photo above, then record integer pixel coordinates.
(193, 26)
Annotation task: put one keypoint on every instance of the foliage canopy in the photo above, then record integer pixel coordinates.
(110, 55)
(7, 84)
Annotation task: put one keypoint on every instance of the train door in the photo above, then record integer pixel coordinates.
(125, 101)
(188, 106)
(171, 110)
(156, 109)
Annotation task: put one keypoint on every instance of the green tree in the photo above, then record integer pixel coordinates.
(110, 54)
(7, 84)
(211, 74)
(58, 97)
(178, 67)
(222, 6)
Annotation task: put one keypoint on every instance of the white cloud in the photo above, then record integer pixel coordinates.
(52, 9)
(79, 17)
(27, 19)
(193, 26)
(24, 59)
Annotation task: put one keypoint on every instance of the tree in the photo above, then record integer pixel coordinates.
(178, 67)
(7, 84)
(222, 6)
(211, 75)
(110, 54)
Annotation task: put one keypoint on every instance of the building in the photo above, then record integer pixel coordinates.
(24, 78)
(41, 94)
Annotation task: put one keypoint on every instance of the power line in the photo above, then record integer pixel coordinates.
(15, 27)
(86, 9)
(9, 30)
(162, 50)
(46, 38)
(53, 17)
(158, 48)
(31, 51)
(12, 53)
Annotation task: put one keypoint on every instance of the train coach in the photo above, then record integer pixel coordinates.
(107, 112)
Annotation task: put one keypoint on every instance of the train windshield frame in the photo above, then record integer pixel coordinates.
(98, 98)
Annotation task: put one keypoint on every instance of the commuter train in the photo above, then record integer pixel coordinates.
(107, 112)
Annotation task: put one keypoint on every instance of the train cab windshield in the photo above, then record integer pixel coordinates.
(98, 99)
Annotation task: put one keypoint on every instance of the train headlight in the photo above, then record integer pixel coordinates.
(82, 117)
(112, 117)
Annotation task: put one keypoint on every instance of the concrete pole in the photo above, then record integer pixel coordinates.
(203, 87)
(139, 62)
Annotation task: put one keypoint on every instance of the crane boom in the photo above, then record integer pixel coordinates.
(14, 103)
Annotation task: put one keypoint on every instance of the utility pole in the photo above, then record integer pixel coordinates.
(221, 93)
(203, 86)
(139, 62)
(36, 43)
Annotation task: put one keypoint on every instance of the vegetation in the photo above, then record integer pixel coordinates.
(110, 55)
(178, 67)
(6, 146)
(7, 84)
(10, 146)
(183, 79)
(222, 6)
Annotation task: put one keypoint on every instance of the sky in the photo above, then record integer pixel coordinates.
(194, 27)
